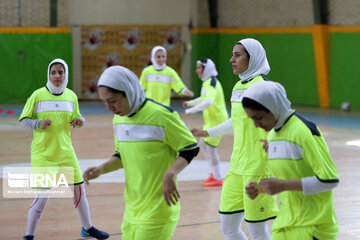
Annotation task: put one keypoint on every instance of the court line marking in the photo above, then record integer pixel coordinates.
(197, 170)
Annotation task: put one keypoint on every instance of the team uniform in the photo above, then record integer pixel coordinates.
(159, 83)
(53, 147)
(298, 150)
(215, 114)
(148, 143)
(248, 162)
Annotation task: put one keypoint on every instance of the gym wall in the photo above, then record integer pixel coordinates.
(294, 57)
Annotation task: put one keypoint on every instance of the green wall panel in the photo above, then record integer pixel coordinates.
(24, 59)
(344, 62)
(291, 58)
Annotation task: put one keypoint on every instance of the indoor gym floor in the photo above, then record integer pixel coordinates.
(199, 215)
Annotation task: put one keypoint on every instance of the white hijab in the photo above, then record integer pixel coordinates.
(209, 69)
(123, 79)
(153, 52)
(271, 95)
(258, 63)
(53, 89)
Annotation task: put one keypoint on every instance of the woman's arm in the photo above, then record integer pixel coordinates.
(35, 123)
(218, 130)
(308, 185)
(200, 107)
(192, 103)
(170, 191)
(30, 123)
(313, 185)
(113, 164)
(272, 186)
(187, 92)
(78, 122)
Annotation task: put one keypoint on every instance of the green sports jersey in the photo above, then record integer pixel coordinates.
(158, 84)
(148, 144)
(296, 151)
(52, 145)
(216, 113)
(247, 157)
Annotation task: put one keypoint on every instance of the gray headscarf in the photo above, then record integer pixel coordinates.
(53, 89)
(271, 95)
(153, 52)
(122, 79)
(258, 63)
(209, 69)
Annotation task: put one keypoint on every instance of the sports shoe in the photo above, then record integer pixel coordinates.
(209, 179)
(213, 183)
(93, 232)
(29, 237)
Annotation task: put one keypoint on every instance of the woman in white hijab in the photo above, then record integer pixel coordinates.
(212, 103)
(50, 112)
(247, 162)
(159, 79)
(153, 145)
(301, 162)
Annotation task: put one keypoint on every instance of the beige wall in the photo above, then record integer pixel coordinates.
(24, 13)
(29, 13)
(255, 13)
(344, 12)
(200, 16)
(129, 11)
(260, 13)
(231, 13)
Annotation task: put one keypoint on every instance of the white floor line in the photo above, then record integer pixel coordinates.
(197, 170)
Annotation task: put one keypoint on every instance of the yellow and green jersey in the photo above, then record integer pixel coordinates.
(296, 151)
(247, 158)
(159, 83)
(53, 146)
(148, 143)
(215, 114)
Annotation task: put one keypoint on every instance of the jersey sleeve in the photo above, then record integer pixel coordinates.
(177, 135)
(317, 155)
(177, 84)
(76, 113)
(143, 79)
(29, 108)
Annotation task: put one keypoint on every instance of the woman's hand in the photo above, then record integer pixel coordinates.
(78, 122)
(265, 145)
(199, 132)
(185, 105)
(188, 93)
(271, 186)
(253, 189)
(44, 124)
(91, 173)
(170, 191)
(274, 186)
